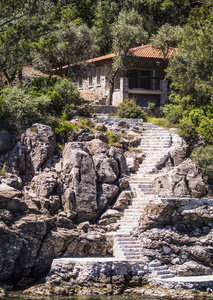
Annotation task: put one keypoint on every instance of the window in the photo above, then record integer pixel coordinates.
(98, 76)
(80, 83)
(117, 83)
(90, 80)
(146, 79)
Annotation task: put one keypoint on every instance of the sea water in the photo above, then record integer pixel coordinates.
(121, 297)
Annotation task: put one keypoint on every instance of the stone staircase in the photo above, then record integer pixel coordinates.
(155, 144)
(157, 270)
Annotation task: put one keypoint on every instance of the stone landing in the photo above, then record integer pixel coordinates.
(92, 275)
(111, 276)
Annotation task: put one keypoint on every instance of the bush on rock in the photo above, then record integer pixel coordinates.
(128, 109)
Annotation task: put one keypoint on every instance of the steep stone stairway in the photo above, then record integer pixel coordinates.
(155, 144)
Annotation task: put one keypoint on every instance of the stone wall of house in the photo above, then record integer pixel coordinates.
(122, 93)
(95, 91)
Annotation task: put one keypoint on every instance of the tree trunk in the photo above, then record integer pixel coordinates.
(20, 75)
(10, 78)
(111, 87)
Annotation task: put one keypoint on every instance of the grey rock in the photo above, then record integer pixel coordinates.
(16, 163)
(193, 268)
(123, 200)
(135, 141)
(5, 142)
(7, 192)
(44, 183)
(78, 175)
(183, 181)
(132, 162)
(12, 180)
(106, 194)
(39, 142)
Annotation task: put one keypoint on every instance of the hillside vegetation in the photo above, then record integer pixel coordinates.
(52, 33)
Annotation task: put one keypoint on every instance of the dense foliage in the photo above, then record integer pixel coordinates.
(25, 103)
(203, 156)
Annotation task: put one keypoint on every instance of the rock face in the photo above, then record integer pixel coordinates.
(44, 196)
(39, 143)
(33, 241)
(185, 180)
(65, 204)
(5, 141)
(178, 232)
(78, 175)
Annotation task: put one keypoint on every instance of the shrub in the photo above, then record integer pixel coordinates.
(68, 92)
(62, 127)
(206, 129)
(203, 156)
(188, 131)
(174, 113)
(86, 110)
(151, 108)
(23, 108)
(129, 109)
(2, 172)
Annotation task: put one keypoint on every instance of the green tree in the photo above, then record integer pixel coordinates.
(127, 31)
(70, 44)
(191, 69)
(167, 36)
(22, 23)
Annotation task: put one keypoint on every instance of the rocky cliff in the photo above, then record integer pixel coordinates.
(62, 203)
(49, 201)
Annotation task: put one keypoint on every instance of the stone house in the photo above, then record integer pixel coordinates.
(145, 82)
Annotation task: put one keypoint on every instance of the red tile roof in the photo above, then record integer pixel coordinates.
(143, 51)
(147, 51)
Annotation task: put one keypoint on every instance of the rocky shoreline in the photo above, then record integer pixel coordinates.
(58, 204)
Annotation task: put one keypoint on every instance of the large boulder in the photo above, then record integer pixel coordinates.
(79, 176)
(185, 180)
(106, 194)
(193, 268)
(44, 183)
(156, 214)
(179, 149)
(7, 192)
(39, 142)
(123, 200)
(110, 163)
(132, 161)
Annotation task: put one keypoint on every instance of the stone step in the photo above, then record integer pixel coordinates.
(166, 276)
(159, 268)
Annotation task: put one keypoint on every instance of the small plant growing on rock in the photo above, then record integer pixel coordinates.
(83, 123)
(3, 172)
(135, 150)
(112, 138)
(130, 110)
(60, 146)
(101, 128)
